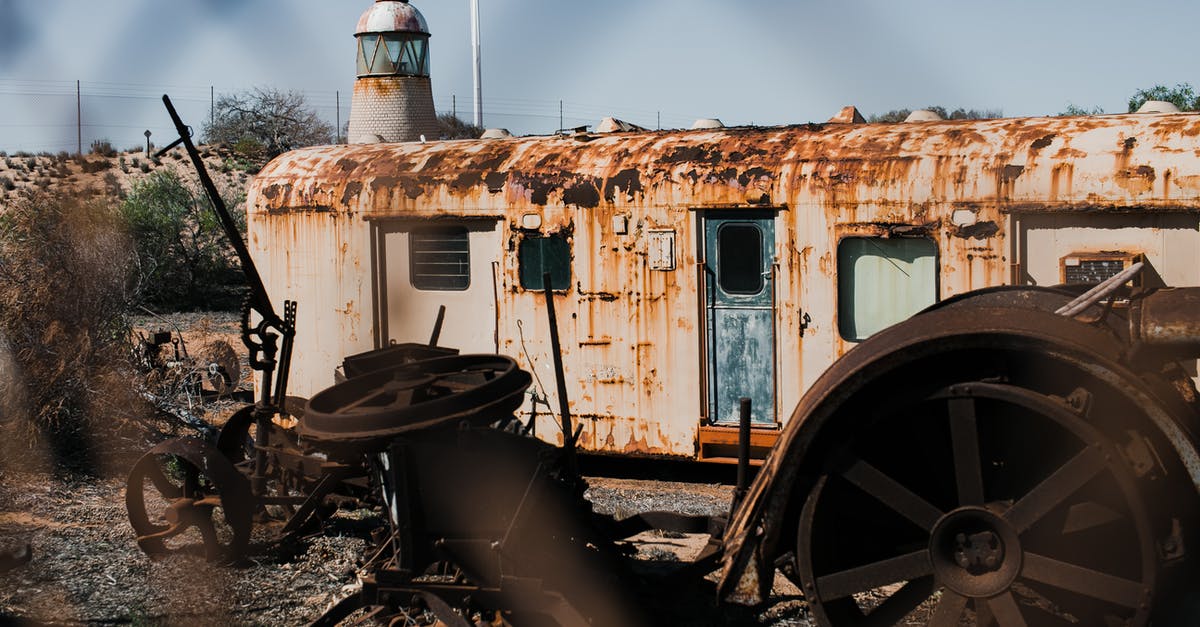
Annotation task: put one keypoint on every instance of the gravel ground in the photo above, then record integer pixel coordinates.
(86, 566)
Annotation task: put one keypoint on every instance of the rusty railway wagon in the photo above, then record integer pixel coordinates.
(693, 268)
(1010, 455)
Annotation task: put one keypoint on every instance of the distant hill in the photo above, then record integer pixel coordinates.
(113, 174)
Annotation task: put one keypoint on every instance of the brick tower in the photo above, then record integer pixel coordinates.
(393, 97)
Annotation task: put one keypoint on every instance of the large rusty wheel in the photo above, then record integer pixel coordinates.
(366, 412)
(185, 496)
(1006, 508)
(981, 464)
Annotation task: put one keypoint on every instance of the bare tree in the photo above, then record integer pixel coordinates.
(451, 126)
(267, 119)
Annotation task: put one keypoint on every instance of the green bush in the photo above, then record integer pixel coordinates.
(184, 260)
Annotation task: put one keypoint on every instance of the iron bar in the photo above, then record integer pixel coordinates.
(561, 379)
(743, 468)
(437, 326)
(1100, 292)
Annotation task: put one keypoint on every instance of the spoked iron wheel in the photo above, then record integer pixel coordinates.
(238, 439)
(367, 412)
(982, 504)
(184, 496)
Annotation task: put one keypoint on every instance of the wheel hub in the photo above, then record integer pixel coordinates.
(975, 552)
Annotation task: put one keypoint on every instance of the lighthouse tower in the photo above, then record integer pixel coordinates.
(393, 97)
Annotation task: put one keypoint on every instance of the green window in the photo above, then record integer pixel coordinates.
(883, 281)
(539, 255)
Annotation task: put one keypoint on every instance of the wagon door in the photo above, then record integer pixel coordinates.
(427, 265)
(739, 306)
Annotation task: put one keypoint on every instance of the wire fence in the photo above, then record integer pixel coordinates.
(67, 115)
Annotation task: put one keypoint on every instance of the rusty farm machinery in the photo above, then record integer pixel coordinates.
(1011, 456)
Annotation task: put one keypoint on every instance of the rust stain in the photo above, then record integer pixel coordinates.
(1138, 180)
(1189, 182)
(353, 189)
(1041, 142)
(979, 230)
(1011, 172)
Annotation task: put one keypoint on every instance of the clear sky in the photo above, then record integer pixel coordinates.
(753, 61)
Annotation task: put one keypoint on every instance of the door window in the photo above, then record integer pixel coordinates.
(739, 259)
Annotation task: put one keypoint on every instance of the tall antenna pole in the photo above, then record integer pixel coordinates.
(475, 61)
(78, 120)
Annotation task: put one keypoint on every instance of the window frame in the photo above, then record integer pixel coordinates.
(381, 63)
(937, 275)
(412, 254)
(758, 257)
(568, 263)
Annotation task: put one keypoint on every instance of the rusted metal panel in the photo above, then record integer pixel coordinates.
(633, 335)
(1167, 319)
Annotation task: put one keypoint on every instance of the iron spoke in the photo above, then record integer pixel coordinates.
(890, 493)
(1005, 610)
(1090, 583)
(208, 531)
(983, 613)
(1056, 489)
(949, 609)
(964, 436)
(863, 578)
(901, 603)
(191, 480)
(161, 483)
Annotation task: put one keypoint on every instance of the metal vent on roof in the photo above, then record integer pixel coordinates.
(613, 125)
(707, 123)
(1158, 106)
(848, 115)
(495, 133)
(923, 115)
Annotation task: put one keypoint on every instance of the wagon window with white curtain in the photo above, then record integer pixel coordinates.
(882, 281)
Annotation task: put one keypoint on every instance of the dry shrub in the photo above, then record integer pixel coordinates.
(64, 268)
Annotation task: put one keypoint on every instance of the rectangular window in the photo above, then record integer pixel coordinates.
(739, 258)
(539, 255)
(883, 281)
(440, 258)
(1084, 268)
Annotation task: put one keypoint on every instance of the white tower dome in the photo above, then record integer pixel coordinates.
(393, 96)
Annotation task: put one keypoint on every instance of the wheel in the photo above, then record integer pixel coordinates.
(982, 503)
(365, 413)
(236, 438)
(184, 496)
(237, 441)
(222, 367)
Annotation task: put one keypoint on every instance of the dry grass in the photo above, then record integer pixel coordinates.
(66, 382)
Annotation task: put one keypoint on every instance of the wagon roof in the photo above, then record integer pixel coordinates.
(1117, 159)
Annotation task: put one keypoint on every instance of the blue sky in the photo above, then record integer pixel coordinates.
(753, 61)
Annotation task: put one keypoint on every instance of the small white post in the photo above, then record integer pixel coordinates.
(476, 61)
